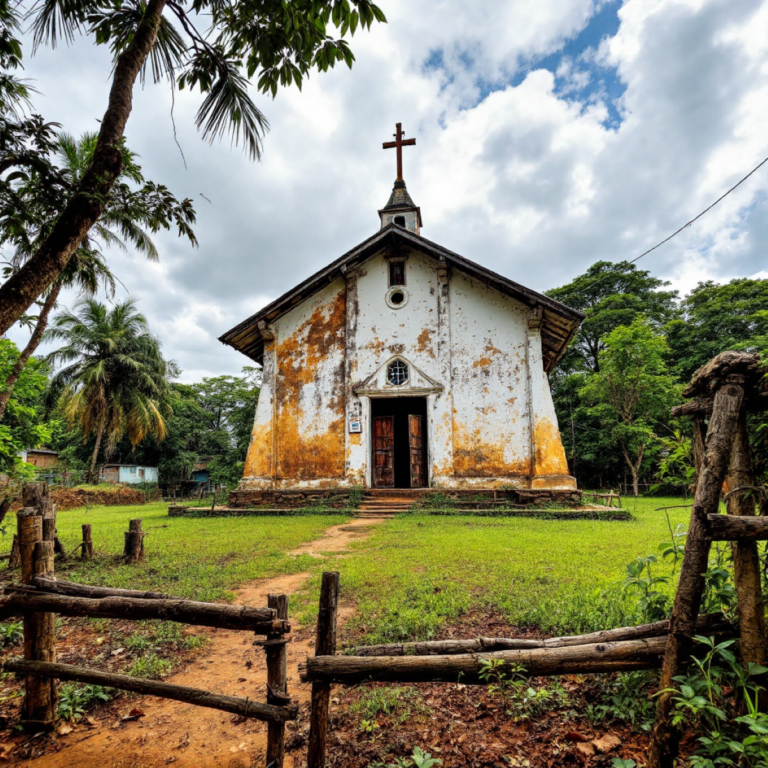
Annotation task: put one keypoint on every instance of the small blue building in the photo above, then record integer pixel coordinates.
(131, 474)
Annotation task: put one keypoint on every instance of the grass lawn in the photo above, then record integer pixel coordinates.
(197, 558)
(417, 572)
(413, 574)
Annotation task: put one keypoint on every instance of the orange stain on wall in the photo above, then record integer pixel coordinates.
(550, 455)
(424, 342)
(317, 340)
(473, 456)
(258, 462)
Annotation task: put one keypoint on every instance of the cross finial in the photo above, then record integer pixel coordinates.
(399, 143)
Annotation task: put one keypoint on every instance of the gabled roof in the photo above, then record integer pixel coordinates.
(558, 326)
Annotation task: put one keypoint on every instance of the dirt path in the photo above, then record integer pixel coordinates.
(192, 737)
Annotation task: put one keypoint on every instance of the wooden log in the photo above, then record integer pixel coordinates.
(134, 542)
(754, 402)
(14, 559)
(39, 706)
(75, 589)
(86, 551)
(244, 707)
(325, 646)
(741, 502)
(258, 620)
(467, 668)
(731, 528)
(712, 623)
(277, 683)
(664, 744)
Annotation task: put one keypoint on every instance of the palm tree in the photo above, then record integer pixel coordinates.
(121, 223)
(114, 379)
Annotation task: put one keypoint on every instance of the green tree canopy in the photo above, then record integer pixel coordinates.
(30, 205)
(114, 378)
(632, 391)
(24, 425)
(611, 295)
(716, 318)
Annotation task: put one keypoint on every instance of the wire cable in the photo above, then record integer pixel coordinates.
(696, 218)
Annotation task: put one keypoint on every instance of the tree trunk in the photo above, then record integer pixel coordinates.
(663, 748)
(94, 455)
(32, 345)
(87, 204)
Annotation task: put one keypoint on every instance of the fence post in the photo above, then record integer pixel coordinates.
(39, 708)
(86, 553)
(134, 542)
(325, 645)
(14, 561)
(277, 682)
(664, 744)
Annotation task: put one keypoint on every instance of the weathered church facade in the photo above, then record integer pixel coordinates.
(404, 365)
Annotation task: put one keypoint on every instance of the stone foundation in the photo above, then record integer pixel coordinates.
(340, 498)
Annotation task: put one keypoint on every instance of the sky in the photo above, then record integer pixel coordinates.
(549, 135)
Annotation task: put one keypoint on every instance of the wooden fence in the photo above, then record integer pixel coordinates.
(728, 387)
(40, 597)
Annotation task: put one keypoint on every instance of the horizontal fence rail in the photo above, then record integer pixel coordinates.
(237, 705)
(709, 623)
(737, 527)
(468, 669)
(262, 621)
(73, 588)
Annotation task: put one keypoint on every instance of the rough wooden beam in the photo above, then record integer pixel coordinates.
(467, 668)
(75, 589)
(733, 528)
(258, 620)
(754, 401)
(709, 623)
(235, 704)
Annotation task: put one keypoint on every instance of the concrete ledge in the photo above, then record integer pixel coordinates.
(180, 511)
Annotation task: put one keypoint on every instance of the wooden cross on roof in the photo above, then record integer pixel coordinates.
(399, 143)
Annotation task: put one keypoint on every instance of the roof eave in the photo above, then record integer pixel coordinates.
(388, 235)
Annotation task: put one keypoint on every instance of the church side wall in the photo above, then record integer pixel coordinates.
(308, 408)
(491, 423)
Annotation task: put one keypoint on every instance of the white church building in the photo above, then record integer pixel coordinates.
(404, 365)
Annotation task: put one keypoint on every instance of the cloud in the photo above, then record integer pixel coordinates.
(549, 135)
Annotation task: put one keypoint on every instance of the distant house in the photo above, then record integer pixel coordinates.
(40, 457)
(201, 475)
(132, 474)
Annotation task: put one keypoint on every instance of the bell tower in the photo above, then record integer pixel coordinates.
(400, 209)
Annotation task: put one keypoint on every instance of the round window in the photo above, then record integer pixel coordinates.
(397, 373)
(396, 297)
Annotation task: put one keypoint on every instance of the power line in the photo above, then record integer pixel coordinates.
(685, 226)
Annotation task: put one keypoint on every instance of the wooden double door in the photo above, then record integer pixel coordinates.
(389, 469)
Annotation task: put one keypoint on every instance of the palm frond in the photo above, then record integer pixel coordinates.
(53, 20)
(228, 109)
